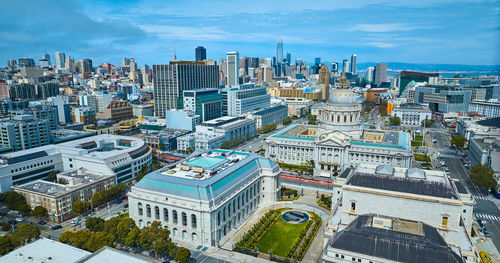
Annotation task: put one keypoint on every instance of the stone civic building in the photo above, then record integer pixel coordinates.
(339, 141)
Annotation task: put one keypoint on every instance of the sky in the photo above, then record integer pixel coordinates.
(412, 31)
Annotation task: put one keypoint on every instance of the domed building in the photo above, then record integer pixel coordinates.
(342, 112)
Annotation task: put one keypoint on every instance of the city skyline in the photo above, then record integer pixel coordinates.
(448, 32)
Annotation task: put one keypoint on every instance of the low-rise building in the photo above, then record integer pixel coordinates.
(200, 141)
(181, 120)
(85, 115)
(207, 103)
(106, 154)
(487, 108)
(206, 197)
(271, 115)
(233, 128)
(58, 198)
(412, 114)
(436, 200)
(117, 110)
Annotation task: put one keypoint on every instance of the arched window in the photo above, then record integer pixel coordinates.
(175, 232)
(345, 118)
(224, 214)
(174, 216)
(141, 223)
(194, 237)
(148, 210)
(139, 208)
(184, 219)
(157, 212)
(193, 221)
(165, 214)
(338, 118)
(184, 234)
(218, 218)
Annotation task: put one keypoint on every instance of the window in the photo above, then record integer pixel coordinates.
(157, 212)
(184, 234)
(465, 211)
(194, 237)
(193, 221)
(359, 260)
(184, 219)
(445, 221)
(148, 210)
(353, 206)
(341, 256)
(174, 216)
(139, 208)
(336, 255)
(165, 214)
(353, 259)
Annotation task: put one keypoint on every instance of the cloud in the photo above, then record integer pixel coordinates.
(383, 28)
(381, 44)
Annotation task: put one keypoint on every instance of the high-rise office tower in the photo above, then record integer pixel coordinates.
(279, 51)
(169, 82)
(288, 58)
(26, 62)
(233, 68)
(125, 62)
(11, 63)
(60, 59)
(335, 67)
(70, 64)
(133, 65)
(345, 66)
(353, 64)
(46, 57)
(201, 53)
(380, 73)
(369, 74)
(324, 81)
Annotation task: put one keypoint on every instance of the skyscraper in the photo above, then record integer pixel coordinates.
(125, 61)
(70, 64)
(353, 64)
(46, 57)
(380, 73)
(345, 66)
(279, 51)
(169, 82)
(60, 59)
(201, 53)
(133, 65)
(335, 67)
(369, 74)
(324, 81)
(233, 68)
(288, 58)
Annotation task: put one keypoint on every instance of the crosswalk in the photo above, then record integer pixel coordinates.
(490, 217)
(480, 197)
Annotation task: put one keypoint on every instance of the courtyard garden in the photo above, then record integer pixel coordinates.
(417, 141)
(280, 238)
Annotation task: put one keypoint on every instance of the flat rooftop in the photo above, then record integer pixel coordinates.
(206, 175)
(45, 250)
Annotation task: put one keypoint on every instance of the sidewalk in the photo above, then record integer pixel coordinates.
(483, 243)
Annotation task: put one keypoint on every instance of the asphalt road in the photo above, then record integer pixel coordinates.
(484, 208)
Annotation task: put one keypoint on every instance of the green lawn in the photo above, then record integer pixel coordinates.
(417, 143)
(422, 157)
(419, 138)
(280, 237)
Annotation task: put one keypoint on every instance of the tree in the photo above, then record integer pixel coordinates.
(6, 244)
(79, 207)
(124, 227)
(226, 145)
(142, 173)
(24, 233)
(62, 181)
(483, 176)
(52, 177)
(160, 146)
(287, 120)
(97, 199)
(39, 211)
(182, 255)
(395, 120)
(155, 237)
(94, 224)
(372, 127)
(459, 141)
(132, 237)
(382, 109)
(6, 227)
(15, 200)
(427, 123)
(368, 108)
(189, 150)
(23, 208)
(98, 240)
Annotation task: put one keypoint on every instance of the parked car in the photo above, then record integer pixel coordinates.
(125, 206)
(12, 222)
(74, 221)
(19, 219)
(42, 222)
(54, 227)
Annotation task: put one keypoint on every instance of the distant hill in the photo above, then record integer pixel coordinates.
(432, 67)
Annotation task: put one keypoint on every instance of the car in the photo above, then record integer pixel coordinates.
(125, 206)
(12, 222)
(19, 219)
(55, 227)
(41, 222)
(74, 221)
